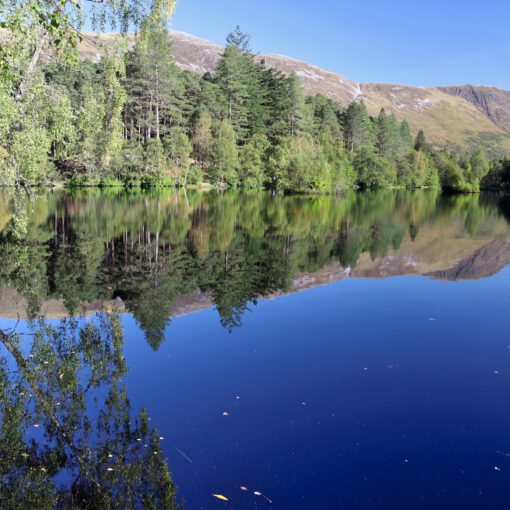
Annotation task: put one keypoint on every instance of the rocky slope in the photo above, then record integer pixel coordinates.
(492, 102)
(460, 115)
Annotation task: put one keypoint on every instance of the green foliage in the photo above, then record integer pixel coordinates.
(203, 139)
(252, 162)
(373, 171)
(478, 168)
(29, 154)
(450, 173)
(225, 156)
(136, 118)
(358, 130)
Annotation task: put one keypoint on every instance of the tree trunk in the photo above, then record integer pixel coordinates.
(36, 55)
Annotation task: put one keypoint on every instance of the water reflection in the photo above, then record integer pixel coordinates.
(68, 437)
(165, 254)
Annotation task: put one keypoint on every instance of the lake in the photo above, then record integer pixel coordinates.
(280, 352)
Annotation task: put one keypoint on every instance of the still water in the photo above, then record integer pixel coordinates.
(263, 352)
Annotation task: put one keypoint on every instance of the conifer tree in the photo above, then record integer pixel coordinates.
(420, 142)
(234, 75)
(357, 127)
(153, 84)
(406, 138)
(297, 108)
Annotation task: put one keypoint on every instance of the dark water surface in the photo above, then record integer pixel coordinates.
(323, 353)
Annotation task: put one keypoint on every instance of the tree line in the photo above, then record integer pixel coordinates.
(151, 247)
(135, 119)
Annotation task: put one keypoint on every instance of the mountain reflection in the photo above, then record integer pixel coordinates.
(68, 435)
(159, 255)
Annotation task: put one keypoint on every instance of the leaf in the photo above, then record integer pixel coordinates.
(220, 496)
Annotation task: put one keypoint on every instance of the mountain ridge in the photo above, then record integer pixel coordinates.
(451, 115)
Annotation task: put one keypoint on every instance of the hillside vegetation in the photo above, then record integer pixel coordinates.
(459, 117)
(130, 115)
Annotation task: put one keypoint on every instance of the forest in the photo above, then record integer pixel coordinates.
(132, 118)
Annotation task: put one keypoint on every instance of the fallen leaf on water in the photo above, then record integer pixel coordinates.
(257, 493)
(220, 496)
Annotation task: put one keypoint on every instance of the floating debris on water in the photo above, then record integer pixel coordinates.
(260, 494)
(243, 488)
(220, 497)
(184, 455)
(225, 413)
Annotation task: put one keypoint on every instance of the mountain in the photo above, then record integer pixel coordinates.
(493, 102)
(461, 116)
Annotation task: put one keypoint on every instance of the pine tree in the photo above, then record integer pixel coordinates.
(235, 77)
(155, 90)
(357, 127)
(297, 113)
(326, 114)
(239, 39)
(420, 143)
(383, 133)
(406, 138)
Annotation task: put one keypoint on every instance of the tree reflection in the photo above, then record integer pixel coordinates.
(158, 251)
(68, 437)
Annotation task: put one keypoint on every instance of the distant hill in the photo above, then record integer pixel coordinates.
(456, 115)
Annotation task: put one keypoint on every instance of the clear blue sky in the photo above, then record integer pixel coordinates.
(427, 42)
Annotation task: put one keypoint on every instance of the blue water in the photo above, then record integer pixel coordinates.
(349, 352)
(386, 393)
